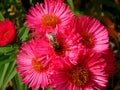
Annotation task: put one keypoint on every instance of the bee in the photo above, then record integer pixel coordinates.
(52, 39)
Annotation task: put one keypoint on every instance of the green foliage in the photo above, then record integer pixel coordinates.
(23, 34)
(7, 64)
(1, 17)
(17, 84)
(70, 2)
(7, 73)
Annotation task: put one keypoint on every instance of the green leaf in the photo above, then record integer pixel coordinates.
(7, 73)
(1, 17)
(70, 2)
(4, 59)
(12, 74)
(6, 49)
(5, 67)
(49, 89)
(17, 83)
(7, 58)
(78, 13)
(9, 70)
(8, 54)
(23, 34)
(1, 72)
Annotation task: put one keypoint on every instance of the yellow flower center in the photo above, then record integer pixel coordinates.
(49, 21)
(87, 40)
(78, 76)
(37, 65)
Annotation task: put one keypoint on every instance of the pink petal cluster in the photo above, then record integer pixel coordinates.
(72, 53)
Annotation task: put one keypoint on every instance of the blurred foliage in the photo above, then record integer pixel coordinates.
(107, 11)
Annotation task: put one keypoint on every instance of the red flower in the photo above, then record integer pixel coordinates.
(7, 32)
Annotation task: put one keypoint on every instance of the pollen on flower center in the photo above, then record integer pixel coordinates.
(87, 40)
(78, 76)
(49, 21)
(37, 65)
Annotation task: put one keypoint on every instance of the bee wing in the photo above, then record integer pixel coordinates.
(51, 37)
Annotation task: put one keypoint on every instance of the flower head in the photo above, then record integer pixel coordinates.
(87, 74)
(33, 65)
(93, 33)
(48, 16)
(7, 32)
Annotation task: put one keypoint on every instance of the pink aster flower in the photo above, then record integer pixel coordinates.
(7, 32)
(93, 34)
(48, 16)
(87, 74)
(34, 67)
